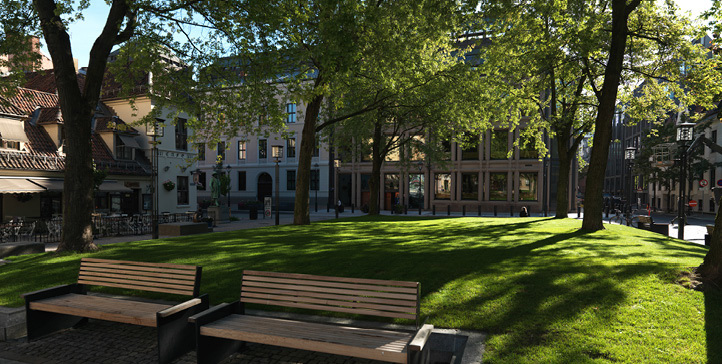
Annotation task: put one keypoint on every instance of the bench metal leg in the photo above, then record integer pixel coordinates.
(211, 350)
(176, 335)
(41, 323)
(420, 357)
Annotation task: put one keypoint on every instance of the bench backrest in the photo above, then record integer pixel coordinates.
(374, 297)
(644, 219)
(155, 277)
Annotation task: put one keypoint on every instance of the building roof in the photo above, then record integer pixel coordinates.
(113, 124)
(27, 100)
(45, 81)
(41, 153)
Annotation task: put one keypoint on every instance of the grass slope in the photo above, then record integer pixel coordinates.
(545, 292)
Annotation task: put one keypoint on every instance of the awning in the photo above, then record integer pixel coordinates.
(129, 141)
(19, 185)
(12, 130)
(55, 185)
(113, 186)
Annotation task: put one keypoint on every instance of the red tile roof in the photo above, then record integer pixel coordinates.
(45, 81)
(28, 100)
(41, 153)
(49, 115)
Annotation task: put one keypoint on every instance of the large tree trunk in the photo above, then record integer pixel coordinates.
(303, 174)
(605, 114)
(711, 268)
(375, 182)
(78, 110)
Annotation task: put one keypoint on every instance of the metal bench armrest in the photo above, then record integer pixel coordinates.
(216, 313)
(54, 291)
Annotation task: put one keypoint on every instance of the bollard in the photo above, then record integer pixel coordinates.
(577, 211)
(511, 211)
(606, 209)
(448, 210)
(352, 208)
(479, 210)
(419, 209)
(327, 207)
(406, 210)
(433, 210)
(495, 210)
(463, 210)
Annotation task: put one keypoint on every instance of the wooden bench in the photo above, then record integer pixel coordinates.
(61, 307)
(222, 330)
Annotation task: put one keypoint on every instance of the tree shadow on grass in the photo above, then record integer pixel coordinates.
(713, 324)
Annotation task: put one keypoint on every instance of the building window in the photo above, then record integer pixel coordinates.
(182, 188)
(446, 149)
(123, 151)
(391, 182)
(181, 134)
(472, 152)
(221, 151)
(497, 186)
(442, 187)
(262, 148)
(241, 151)
(528, 186)
(712, 177)
(291, 112)
(365, 180)
(201, 183)
(528, 150)
(291, 180)
(291, 148)
(241, 180)
(469, 186)
(315, 179)
(499, 144)
(201, 151)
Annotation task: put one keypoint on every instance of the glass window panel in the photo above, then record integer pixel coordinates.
(182, 190)
(527, 151)
(262, 149)
(499, 144)
(391, 182)
(469, 186)
(471, 152)
(241, 151)
(528, 186)
(291, 148)
(497, 186)
(442, 186)
(291, 180)
(365, 178)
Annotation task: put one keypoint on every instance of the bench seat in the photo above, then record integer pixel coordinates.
(102, 308)
(364, 343)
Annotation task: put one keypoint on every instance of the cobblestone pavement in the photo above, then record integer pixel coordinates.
(108, 342)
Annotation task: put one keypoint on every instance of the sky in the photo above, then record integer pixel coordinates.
(83, 33)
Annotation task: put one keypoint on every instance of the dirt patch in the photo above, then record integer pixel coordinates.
(689, 279)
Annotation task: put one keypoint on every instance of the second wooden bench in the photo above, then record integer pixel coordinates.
(221, 330)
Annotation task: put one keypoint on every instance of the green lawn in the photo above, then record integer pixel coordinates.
(544, 292)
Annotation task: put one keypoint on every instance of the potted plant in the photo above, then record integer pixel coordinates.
(168, 185)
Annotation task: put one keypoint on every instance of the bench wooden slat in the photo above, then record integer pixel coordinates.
(102, 308)
(190, 268)
(288, 325)
(354, 286)
(330, 290)
(330, 308)
(330, 278)
(130, 286)
(139, 284)
(317, 337)
(154, 278)
(138, 273)
(404, 303)
(139, 268)
(328, 302)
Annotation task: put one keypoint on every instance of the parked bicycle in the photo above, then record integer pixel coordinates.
(622, 218)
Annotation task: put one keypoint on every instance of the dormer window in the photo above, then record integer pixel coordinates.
(124, 146)
(10, 144)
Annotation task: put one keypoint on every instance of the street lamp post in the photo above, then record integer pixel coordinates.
(629, 155)
(317, 186)
(277, 151)
(228, 169)
(420, 201)
(155, 132)
(685, 133)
